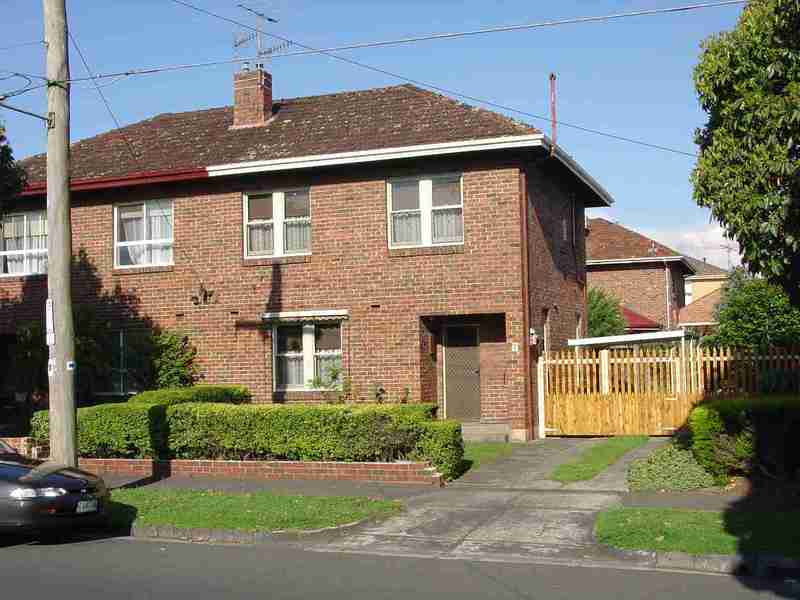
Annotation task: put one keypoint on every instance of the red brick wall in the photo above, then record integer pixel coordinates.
(410, 472)
(556, 266)
(385, 291)
(642, 288)
(351, 268)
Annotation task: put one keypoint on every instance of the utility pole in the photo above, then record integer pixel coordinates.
(60, 328)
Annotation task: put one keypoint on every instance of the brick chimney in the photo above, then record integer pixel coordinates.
(252, 97)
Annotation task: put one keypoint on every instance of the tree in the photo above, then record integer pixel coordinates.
(748, 172)
(604, 315)
(754, 313)
(12, 175)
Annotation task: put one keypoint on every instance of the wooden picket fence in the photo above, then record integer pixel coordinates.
(650, 389)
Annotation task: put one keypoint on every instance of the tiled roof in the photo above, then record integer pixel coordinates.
(704, 269)
(346, 122)
(607, 241)
(701, 310)
(636, 321)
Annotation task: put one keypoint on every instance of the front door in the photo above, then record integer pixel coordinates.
(462, 374)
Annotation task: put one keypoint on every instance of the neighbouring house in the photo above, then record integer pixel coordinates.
(647, 277)
(658, 287)
(419, 243)
(707, 279)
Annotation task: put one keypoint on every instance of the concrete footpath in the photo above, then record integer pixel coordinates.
(505, 511)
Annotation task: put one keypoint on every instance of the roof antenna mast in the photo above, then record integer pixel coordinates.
(243, 39)
(553, 120)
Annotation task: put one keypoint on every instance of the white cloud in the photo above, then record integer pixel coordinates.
(706, 242)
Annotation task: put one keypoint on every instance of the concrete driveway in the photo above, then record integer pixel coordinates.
(506, 510)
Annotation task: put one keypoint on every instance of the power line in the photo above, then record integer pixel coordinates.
(499, 29)
(448, 91)
(21, 45)
(102, 95)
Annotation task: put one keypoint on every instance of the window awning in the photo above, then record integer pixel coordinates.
(306, 315)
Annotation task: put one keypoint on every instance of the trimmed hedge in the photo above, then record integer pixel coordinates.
(230, 394)
(743, 436)
(113, 430)
(364, 433)
(441, 444)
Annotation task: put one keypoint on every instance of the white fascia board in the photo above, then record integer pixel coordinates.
(579, 172)
(699, 323)
(609, 340)
(643, 259)
(706, 277)
(382, 154)
(304, 314)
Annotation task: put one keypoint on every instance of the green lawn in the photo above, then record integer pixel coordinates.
(597, 458)
(259, 511)
(481, 453)
(700, 532)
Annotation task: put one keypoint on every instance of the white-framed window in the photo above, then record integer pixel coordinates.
(688, 292)
(143, 234)
(23, 248)
(425, 211)
(277, 223)
(305, 352)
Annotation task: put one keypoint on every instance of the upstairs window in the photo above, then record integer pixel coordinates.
(24, 243)
(426, 211)
(277, 223)
(143, 234)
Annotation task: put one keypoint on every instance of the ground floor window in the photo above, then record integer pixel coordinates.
(306, 353)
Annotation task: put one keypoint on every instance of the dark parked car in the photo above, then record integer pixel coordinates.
(42, 496)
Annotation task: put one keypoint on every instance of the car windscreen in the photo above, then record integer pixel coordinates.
(6, 449)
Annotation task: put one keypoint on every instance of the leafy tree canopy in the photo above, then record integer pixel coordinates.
(756, 314)
(12, 176)
(748, 173)
(604, 314)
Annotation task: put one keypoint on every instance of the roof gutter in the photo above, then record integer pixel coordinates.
(514, 142)
(100, 183)
(638, 260)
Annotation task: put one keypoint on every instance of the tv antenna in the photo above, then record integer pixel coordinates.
(243, 39)
(728, 247)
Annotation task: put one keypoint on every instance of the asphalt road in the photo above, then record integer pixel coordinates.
(130, 569)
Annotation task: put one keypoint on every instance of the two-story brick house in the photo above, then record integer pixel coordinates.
(658, 287)
(413, 240)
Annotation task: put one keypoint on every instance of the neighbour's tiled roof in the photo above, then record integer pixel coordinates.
(704, 269)
(608, 241)
(636, 321)
(701, 310)
(373, 119)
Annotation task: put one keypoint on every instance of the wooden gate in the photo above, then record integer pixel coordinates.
(648, 390)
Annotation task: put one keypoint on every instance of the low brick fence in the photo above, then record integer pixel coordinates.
(394, 472)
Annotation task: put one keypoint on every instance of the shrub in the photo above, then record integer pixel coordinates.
(747, 435)
(230, 394)
(173, 360)
(414, 412)
(441, 444)
(604, 315)
(668, 468)
(113, 430)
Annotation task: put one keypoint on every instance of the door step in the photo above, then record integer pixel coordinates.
(485, 432)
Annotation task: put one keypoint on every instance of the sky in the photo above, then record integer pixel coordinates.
(631, 77)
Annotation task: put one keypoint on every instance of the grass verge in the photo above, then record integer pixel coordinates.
(700, 532)
(260, 511)
(597, 458)
(481, 453)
